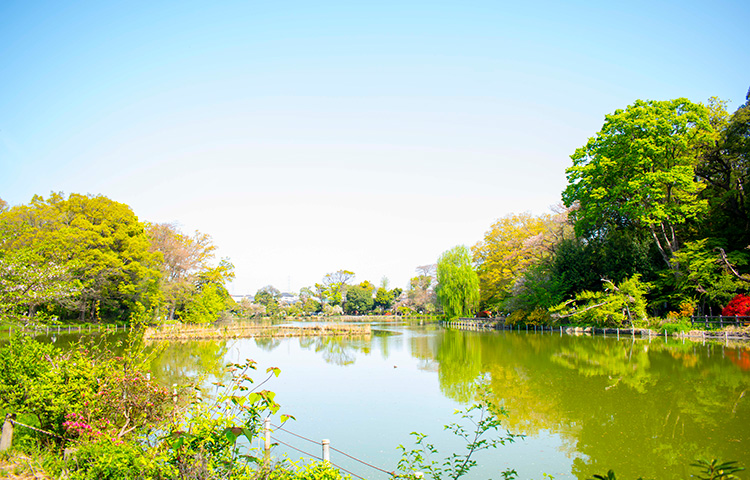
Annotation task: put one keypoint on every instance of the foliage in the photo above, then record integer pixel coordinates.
(203, 438)
(715, 470)
(517, 317)
(458, 283)
(421, 294)
(98, 241)
(29, 280)
(739, 305)
(511, 246)
(613, 307)
(267, 295)
(486, 418)
(334, 286)
(184, 258)
(702, 277)
(85, 393)
(725, 170)
(311, 471)
(639, 172)
(359, 299)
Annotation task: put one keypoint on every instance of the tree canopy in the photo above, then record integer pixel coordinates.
(458, 283)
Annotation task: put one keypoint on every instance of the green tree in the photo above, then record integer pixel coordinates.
(334, 286)
(639, 172)
(99, 241)
(267, 295)
(725, 169)
(359, 300)
(458, 283)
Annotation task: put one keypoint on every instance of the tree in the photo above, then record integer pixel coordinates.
(512, 245)
(184, 258)
(99, 241)
(725, 169)
(28, 280)
(267, 295)
(334, 286)
(639, 172)
(421, 293)
(359, 299)
(458, 283)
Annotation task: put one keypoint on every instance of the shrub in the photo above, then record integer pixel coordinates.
(739, 305)
(516, 318)
(539, 316)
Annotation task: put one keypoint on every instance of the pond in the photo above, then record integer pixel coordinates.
(642, 407)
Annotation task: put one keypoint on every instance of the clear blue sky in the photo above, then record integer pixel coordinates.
(308, 137)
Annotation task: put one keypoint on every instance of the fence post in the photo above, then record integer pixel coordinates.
(326, 452)
(6, 439)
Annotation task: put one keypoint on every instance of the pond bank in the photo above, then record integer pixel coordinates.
(197, 332)
(498, 324)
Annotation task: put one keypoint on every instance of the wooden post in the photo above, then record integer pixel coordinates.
(7, 436)
(326, 452)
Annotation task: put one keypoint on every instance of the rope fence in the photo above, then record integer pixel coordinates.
(6, 439)
(326, 447)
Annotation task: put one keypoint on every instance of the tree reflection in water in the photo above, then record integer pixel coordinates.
(641, 408)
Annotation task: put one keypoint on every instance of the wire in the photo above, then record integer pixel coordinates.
(361, 461)
(292, 433)
(278, 427)
(36, 429)
(295, 448)
(347, 471)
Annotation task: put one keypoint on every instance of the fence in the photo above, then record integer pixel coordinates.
(721, 320)
(47, 329)
(6, 440)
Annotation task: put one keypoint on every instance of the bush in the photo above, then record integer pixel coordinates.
(739, 305)
(516, 318)
(539, 316)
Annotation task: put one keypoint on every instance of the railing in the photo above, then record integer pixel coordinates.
(720, 320)
(86, 328)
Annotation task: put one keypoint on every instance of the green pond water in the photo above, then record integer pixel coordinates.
(586, 404)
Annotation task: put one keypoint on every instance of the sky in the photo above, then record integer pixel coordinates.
(309, 137)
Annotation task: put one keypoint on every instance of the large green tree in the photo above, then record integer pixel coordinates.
(457, 283)
(639, 172)
(96, 240)
(725, 170)
(359, 298)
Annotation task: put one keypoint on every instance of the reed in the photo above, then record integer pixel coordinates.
(199, 332)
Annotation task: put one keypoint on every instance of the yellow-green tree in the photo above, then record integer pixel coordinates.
(94, 239)
(639, 172)
(458, 284)
(510, 247)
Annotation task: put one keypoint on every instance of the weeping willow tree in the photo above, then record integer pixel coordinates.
(458, 283)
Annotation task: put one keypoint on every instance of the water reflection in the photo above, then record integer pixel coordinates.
(641, 408)
(183, 362)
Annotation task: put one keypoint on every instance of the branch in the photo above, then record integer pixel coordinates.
(583, 310)
(729, 266)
